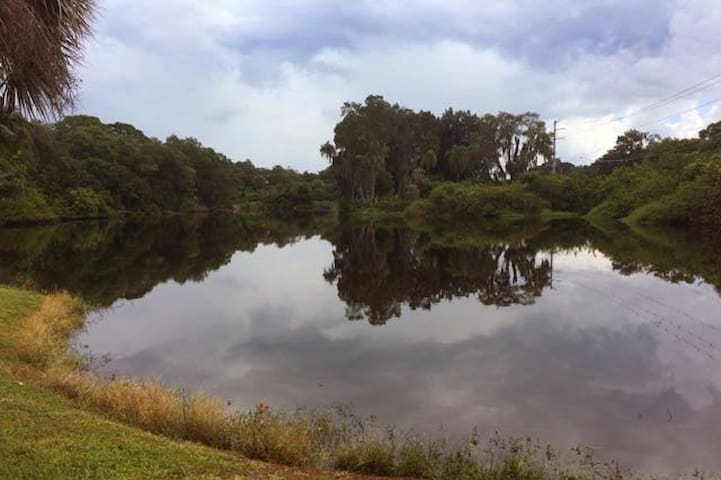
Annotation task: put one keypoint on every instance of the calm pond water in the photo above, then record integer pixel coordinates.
(609, 339)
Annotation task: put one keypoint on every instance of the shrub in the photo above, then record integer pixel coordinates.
(25, 205)
(374, 457)
(471, 202)
(577, 192)
(87, 203)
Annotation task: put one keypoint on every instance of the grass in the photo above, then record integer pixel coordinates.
(43, 436)
(548, 215)
(382, 211)
(58, 421)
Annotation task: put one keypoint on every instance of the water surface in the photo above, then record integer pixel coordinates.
(608, 339)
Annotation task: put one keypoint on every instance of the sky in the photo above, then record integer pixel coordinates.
(265, 79)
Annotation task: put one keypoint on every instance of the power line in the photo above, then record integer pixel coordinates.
(600, 124)
(691, 90)
(670, 150)
(716, 100)
(688, 91)
(643, 154)
(685, 92)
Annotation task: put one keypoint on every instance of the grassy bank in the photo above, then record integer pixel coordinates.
(54, 424)
(45, 436)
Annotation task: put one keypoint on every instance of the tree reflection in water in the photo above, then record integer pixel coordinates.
(378, 270)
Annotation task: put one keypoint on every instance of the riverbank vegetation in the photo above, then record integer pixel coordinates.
(464, 167)
(80, 167)
(386, 163)
(33, 354)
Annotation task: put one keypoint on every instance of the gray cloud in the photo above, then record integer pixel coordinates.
(265, 80)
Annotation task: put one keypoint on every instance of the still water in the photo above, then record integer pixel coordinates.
(607, 339)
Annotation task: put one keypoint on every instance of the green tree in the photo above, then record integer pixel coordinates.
(458, 160)
(522, 140)
(629, 149)
(429, 160)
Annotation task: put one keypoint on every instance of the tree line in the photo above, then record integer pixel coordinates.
(463, 167)
(81, 167)
(383, 149)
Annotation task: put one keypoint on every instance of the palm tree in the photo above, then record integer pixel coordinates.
(40, 44)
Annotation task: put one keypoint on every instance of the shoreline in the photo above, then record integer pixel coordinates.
(33, 351)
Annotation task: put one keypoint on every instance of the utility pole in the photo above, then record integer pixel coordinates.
(554, 159)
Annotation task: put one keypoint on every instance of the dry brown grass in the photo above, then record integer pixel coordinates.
(40, 341)
(152, 406)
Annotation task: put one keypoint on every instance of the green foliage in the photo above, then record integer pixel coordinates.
(458, 160)
(24, 206)
(669, 187)
(577, 192)
(429, 161)
(301, 198)
(696, 200)
(83, 168)
(381, 149)
(629, 149)
(473, 202)
(85, 202)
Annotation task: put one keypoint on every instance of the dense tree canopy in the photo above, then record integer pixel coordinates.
(82, 168)
(384, 149)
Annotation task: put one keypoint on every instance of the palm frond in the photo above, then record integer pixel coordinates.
(41, 44)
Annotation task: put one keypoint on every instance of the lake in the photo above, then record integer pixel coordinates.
(607, 338)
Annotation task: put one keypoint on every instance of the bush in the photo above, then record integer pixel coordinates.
(25, 205)
(470, 202)
(696, 201)
(577, 192)
(87, 203)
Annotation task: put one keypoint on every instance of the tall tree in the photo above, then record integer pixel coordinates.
(629, 149)
(522, 140)
(40, 44)
(458, 161)
(361, 147)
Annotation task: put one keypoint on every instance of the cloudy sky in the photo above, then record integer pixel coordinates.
(264, 79)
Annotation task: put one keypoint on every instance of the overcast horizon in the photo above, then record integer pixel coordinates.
(266, 80)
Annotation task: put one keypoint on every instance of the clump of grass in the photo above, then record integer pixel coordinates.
(417, 460)
(149, 405)
(276, 436)
(374, 457)
(41, 339)
(260, 433)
